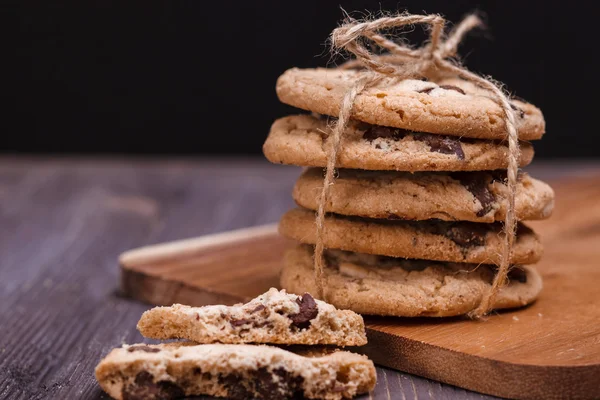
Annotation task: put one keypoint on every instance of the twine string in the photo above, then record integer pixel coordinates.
(403, 62)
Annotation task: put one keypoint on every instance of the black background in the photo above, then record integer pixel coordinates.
(198, 77)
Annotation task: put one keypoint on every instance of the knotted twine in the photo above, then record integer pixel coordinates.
(402, 62)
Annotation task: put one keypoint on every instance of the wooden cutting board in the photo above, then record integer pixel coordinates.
(548, 350)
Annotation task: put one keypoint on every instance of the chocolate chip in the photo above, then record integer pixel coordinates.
(518, 109)
(236, 387)
(442, 144)
(517, 274)
(239, 322)
(144, 387)
(197, 317)
(143, 347)
(287, 385)
(467, 235)
(258, 308)
(308, 311)
(263, 384)
(426, 90)
(452, 87)
(376, 131)
(477, 184)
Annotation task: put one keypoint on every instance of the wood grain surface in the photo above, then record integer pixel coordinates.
(64, 223)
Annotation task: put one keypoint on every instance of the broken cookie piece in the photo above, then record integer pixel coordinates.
(237, 371)
(274, 317)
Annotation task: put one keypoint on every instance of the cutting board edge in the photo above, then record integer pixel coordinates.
(132, 285)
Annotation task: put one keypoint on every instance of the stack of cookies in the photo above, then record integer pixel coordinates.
(412, 225)
(218, 359)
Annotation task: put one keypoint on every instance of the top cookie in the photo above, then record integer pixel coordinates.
(451, 106)
(273, 317)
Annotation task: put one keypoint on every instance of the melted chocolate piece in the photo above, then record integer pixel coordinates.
(258, 308)
(239, 322)
(517, 274)
(446, 87)
(288, 386)
(467, 235)
(236, 389)
(143, 348)
(144, 387)
(452, 87)
(308, 311)
(442, 144)
(375, 131)
(278, 384)
(477, 184)
(426, 90)
(518, 109)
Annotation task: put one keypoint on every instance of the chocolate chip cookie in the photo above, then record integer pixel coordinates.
(303, 140)
(378, 285)
(449, 107)
(460, 196)
(235, 371)
(273, 317)
(467, 242)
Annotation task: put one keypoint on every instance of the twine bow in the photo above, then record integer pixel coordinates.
(403, 62)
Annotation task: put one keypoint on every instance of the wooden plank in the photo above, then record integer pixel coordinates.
(548, 350)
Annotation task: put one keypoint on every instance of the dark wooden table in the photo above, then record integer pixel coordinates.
(63, 222)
